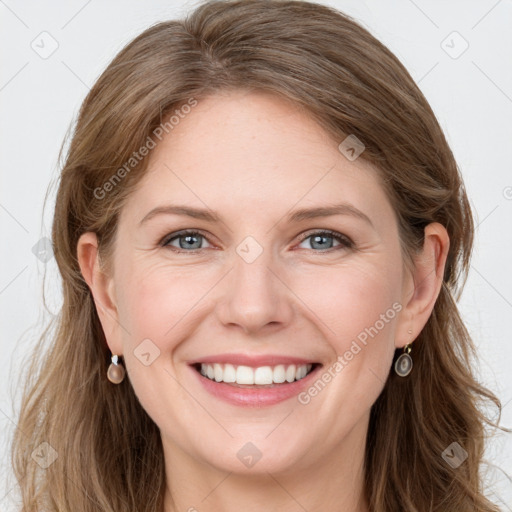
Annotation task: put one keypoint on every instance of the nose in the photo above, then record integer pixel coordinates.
(255, 296)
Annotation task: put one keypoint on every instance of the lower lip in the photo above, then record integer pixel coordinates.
(255, 396)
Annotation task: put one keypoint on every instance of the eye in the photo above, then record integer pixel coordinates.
(188, 240)
(191, 241)
(320, 240)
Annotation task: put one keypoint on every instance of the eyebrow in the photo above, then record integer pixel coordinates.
(295, 216)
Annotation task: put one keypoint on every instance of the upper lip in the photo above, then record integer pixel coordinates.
(252, 360)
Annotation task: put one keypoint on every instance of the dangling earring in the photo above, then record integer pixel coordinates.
(403, 364)
(116, 371)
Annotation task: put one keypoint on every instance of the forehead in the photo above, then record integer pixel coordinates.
(254, 149)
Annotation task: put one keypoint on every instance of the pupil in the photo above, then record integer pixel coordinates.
(318, 239)
(190, 239)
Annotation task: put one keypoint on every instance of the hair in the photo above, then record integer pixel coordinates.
(110, 455)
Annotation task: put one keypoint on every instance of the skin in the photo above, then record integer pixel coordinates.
(254, 158)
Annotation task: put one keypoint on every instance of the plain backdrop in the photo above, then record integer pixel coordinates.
(459, 53)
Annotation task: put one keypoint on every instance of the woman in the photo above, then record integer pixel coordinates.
(262, 234)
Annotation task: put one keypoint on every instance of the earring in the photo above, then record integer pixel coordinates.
(116, 371)
(403, 364)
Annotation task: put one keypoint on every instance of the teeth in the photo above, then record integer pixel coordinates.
(245, 375)
(229, 373)
(217, 372)
(279, 374)
(263, 375)
(290, 373)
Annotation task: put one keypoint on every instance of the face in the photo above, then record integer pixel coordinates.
(256, 288)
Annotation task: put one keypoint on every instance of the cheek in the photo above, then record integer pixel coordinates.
(155, 300)
(346, 303)
(355, 305)
(158, 303)
(358, 308)
(164, 303)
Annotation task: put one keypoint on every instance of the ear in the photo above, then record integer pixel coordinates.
(102, 289)
(423, 284)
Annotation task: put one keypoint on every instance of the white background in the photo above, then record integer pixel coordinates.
(471, 96)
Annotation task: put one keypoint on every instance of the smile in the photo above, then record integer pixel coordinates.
(259, 385)
(260, 376)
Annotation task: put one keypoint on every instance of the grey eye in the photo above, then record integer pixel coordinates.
(186, 240)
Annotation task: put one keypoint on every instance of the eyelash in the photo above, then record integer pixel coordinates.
(345, 241)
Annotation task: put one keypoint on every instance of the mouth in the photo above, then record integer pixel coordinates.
(260, 377)
(254, 386)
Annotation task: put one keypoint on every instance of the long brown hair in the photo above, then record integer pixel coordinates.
(109, 453)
